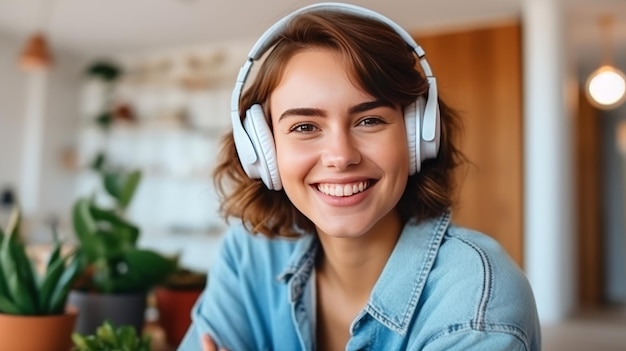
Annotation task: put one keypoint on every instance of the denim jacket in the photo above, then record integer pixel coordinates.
(443, 288)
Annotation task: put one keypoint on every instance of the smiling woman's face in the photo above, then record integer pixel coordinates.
(342, 154)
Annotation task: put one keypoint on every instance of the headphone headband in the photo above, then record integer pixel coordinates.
(272, 34)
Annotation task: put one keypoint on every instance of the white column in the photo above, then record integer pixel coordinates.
(35, 111)
(549, 229)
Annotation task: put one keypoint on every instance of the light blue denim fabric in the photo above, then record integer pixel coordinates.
(443, 288)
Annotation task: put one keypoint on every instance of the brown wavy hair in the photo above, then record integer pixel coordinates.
(380, 62)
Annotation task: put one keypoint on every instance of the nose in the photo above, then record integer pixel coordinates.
(340, 151)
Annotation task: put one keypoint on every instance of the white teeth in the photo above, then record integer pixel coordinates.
(342, 189)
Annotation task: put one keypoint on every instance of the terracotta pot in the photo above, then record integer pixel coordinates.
(119, 309)
(37, 333)
(174, 308)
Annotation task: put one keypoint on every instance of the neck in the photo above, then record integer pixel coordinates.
(353, 265)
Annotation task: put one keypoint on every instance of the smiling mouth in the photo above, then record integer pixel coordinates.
(342, 190)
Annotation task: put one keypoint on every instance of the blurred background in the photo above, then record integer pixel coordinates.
(145, 84)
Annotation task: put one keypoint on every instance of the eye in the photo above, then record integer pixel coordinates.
(371, 121)
(303, 128)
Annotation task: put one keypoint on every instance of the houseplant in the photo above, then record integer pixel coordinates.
(30, 301)
(175, 298)
(118, 273)
(111, 338)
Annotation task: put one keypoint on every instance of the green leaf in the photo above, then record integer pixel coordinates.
(85, 343)
(27, 277)
(127, 189)
(98, 163)
(146, 342)
(13, 226)
(49, 282)
(17, 291)
(111, 338)
(64, 285)
(148, 267)
(106, 333)
(100, 246)
(84, 223)
(121, 186)
(55, 255)
(7, 306)
(4, 290)
(127, 337)
(140, 270)
(104, 120)
(112, 184)
(106, 70)
(54, 269)
(123, 230)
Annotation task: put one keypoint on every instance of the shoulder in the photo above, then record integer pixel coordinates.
(242, 249)
(474, 283)
(476, 261)
(468, 253)
(476, 247)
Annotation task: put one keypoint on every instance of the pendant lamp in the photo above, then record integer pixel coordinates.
(36, 54)
(606, 86)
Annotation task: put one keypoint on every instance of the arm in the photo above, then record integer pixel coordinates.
(479, 340)
(220, 312)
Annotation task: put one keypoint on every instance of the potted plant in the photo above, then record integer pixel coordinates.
(118, 274)
(33, 302)
(112, 338)
(174, 300)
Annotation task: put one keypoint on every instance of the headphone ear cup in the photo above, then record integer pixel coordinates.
(412, 133)
(259, 132)
(430, 148)
(419, 149)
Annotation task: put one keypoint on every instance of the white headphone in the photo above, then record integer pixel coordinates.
(253, 137)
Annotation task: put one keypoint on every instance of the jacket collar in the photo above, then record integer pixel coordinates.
(416, 249)
(300, 265)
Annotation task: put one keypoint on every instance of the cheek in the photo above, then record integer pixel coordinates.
(293, 160)
(393, 157)
(402, 159)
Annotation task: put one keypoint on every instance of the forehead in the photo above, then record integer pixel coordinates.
(316, 76)
(308, 57)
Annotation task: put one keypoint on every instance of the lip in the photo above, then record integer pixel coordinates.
(343, 201)
(346, 180)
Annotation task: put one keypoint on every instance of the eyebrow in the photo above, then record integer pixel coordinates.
(316, 112)
(370, 105)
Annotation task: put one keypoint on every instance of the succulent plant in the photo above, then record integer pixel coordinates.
(22, 291)
(109, 241)
(111, 338)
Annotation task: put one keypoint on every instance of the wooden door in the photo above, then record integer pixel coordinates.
(479, 73)
(588, 202)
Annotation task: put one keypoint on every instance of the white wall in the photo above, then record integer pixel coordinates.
(57, 186)
(54, 189)
(12, 91)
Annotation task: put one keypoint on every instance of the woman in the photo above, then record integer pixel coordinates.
(337, 180)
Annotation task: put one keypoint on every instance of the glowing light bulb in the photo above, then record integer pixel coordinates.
(606, 87)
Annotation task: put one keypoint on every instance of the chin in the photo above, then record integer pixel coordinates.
(342, 231)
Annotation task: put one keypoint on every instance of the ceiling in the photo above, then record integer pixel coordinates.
(105, 27)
